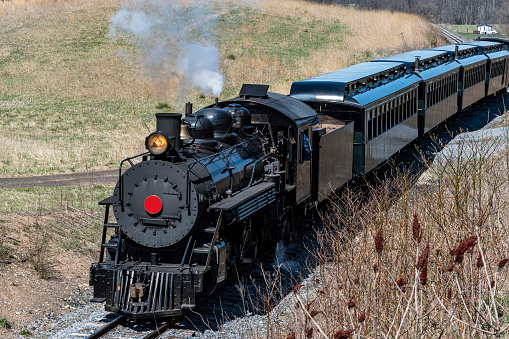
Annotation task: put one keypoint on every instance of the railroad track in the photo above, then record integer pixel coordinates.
(114, 326)
(121, 326)
(224, 305)
(453, 39)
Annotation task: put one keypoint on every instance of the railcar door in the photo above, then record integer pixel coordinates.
(304, 164)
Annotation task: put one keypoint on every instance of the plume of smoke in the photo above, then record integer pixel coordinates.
(176, 41)
(135, 22)
(198, 63)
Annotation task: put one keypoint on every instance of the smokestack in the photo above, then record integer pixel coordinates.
(169, 124)
(189, 109)
(456, 52)
(417, 62)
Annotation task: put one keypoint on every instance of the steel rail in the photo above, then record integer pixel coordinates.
(451, 37)
(161, 329)
(108, 327)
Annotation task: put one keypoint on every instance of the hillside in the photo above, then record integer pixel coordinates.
(74, 97)
(83, 99)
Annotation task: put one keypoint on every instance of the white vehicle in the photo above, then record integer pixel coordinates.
(486, 29)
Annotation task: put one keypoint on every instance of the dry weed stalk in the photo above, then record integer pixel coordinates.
(39, 255)
(405, 259)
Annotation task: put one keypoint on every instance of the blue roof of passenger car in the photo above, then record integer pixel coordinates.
(468, 59)
(409, 57)
(438, 70)
(352, 73)
(498, 54)
(451, 48)
(365, 98)
(481, 43)
(331, 86)
(486, 47)
(472, 60)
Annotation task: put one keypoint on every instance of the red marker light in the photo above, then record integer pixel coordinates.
(153, 204)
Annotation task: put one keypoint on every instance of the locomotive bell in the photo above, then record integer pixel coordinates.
(184, 132)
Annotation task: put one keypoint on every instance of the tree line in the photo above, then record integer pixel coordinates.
(440, 11)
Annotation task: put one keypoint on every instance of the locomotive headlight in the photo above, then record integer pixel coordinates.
(156, 143)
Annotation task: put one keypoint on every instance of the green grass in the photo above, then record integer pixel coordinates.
(291, 39)
(26, 333)
(467, 31)
(4, 323)
(248, 34)
(53, 198)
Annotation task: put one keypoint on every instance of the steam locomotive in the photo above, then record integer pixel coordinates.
(220, 185)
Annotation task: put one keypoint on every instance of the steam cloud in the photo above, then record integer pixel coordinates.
(282, 261)
(200, 64)
(175, 40)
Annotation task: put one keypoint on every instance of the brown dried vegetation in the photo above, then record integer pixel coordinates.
(446, 297)
(60, 72)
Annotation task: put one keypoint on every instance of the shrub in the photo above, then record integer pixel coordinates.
(4, 323)
(25, 333)
(39, 257)
(413, 255)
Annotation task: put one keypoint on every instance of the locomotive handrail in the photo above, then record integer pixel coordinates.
(254, 167)
(119, 246)
(245, 168)
(185, 252)
(226, 161)
(120, 177)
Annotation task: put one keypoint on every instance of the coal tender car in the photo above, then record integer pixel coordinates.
(221, 185)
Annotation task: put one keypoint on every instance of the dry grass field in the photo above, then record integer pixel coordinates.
(71, 99)
(349, 36)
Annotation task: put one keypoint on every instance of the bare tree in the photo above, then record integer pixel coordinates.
(440, 11)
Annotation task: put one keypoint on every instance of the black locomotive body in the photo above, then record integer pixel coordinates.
(221, 185)
(214, 197)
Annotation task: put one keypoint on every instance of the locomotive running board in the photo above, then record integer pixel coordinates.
(248, 201)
